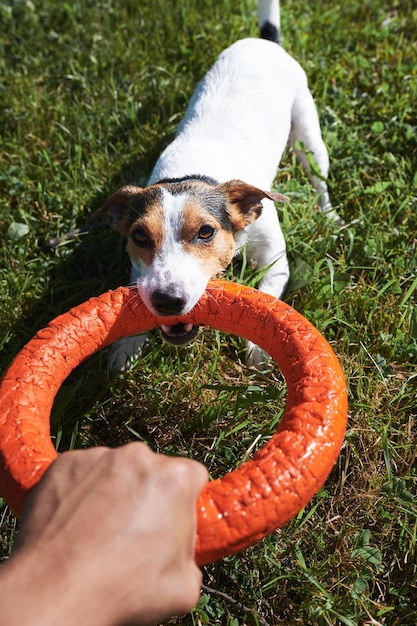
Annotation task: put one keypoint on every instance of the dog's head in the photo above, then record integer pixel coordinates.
(180, 234)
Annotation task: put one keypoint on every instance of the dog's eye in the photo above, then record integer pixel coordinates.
(206, 232)
(139, 237)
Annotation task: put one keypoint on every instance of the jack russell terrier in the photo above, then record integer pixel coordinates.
(209, 192)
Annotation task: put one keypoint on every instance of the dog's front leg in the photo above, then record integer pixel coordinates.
(273, 283)
(267, 250)
(128, 349)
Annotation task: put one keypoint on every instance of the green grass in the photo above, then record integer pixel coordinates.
(90, 92)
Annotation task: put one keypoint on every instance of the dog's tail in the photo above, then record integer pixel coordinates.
(269, 20)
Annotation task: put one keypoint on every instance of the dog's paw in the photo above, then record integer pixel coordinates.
(125, 351)
(328, 211)
(334, 218)
(257, 358)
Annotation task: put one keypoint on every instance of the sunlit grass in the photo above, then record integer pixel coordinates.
(89, 95)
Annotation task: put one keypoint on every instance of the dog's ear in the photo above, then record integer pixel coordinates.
(118, 206)
(244, 201)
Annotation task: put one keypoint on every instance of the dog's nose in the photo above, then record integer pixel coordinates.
(165, 304)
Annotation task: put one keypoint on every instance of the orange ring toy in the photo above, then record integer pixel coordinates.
(246, 504)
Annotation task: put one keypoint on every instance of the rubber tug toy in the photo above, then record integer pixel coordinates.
(243, 506)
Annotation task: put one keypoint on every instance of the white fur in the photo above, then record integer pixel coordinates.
(249, 106)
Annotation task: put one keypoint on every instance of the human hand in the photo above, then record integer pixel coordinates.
(111, 534)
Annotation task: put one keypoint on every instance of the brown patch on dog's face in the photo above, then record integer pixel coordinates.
(138, 214)
(206, 238)
(146, 234)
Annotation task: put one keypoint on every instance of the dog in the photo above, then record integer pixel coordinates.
(209, 193)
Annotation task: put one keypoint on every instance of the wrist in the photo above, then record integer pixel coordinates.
(42, 590)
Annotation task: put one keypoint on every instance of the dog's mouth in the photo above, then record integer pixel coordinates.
(178, 334)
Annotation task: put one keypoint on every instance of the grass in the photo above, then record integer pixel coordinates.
(90, 92)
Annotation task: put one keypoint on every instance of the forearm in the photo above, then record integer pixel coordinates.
(37, 590)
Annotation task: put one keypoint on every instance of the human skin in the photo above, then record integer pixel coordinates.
(107, 539)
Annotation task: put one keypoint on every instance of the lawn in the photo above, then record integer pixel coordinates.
(90, 93)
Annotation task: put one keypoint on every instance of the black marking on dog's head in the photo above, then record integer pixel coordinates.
(270, 32)
(233, 204)
(205, 192)
(216, 204)
(190, 177)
